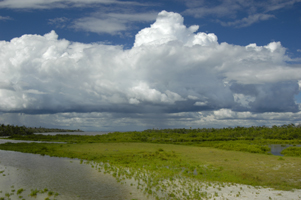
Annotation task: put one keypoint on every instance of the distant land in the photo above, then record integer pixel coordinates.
(9, 130)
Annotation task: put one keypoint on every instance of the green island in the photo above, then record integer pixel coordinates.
(177, 163)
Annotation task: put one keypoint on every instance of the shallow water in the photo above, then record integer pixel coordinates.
(277, 148)
(67, 177)
(76, 133)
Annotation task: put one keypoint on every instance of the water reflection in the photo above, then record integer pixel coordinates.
(277, 148)
(68, 177)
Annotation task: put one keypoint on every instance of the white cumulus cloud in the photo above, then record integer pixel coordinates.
(171, 69)
(169, 27)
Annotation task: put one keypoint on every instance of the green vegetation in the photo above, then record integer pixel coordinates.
(182, 157)
(20, 191)
(37, 148)
(251, 139)
(34, 193)
(9, 130)
(183, 136)
(246, 146)
(50, 193)
(168, 162)
(292, 151)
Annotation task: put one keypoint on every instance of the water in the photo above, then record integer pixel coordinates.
(277, 148)
(69, 178)
(76, 133)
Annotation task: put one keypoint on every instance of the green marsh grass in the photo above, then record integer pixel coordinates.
(50, 193)
(34, 192)
(157, 162)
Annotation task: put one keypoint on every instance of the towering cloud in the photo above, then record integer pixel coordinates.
(169, 27)
(169, 69)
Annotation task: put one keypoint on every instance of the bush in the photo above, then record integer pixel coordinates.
(292, 151)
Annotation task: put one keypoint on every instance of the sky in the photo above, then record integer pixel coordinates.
(112, 65)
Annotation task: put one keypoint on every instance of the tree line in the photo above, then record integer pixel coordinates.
(284, 132)
(11, 130)
(182, 135)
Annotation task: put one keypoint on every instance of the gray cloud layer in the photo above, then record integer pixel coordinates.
(50, 4)
(111, 23)
(171, 70)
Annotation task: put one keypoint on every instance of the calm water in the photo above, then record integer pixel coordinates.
(67, 177)
(277, 148)
(76, 133)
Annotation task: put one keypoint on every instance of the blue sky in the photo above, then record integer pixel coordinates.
(132, 65)
(282, 22)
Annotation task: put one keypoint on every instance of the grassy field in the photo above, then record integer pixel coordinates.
(168, 161)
